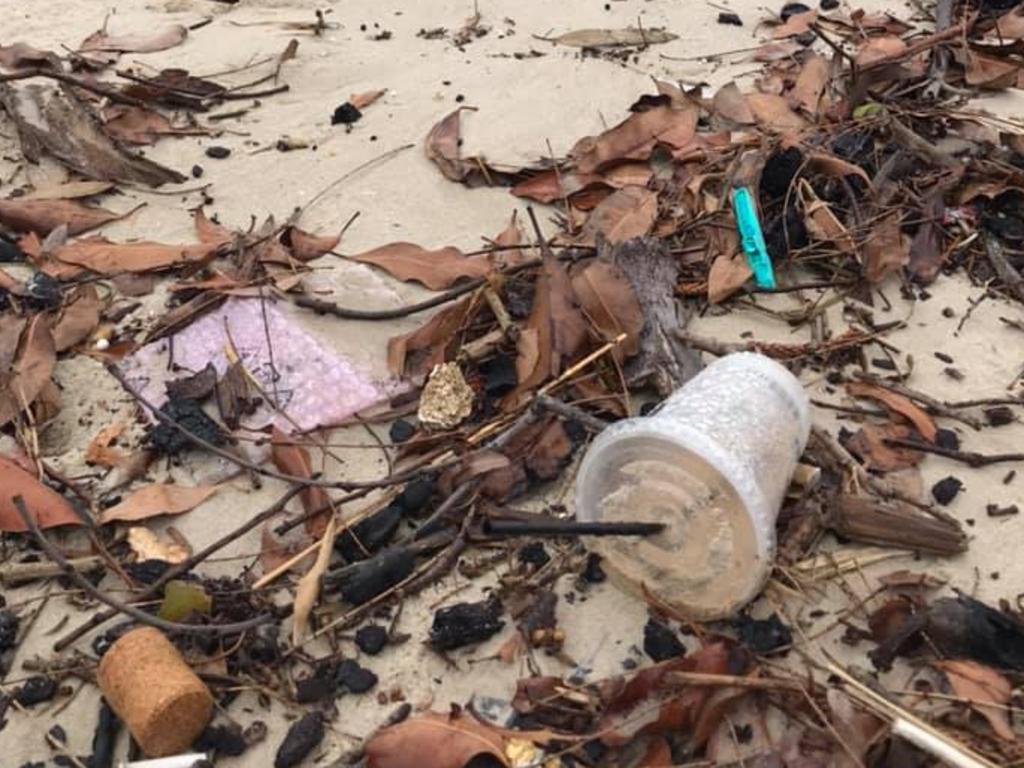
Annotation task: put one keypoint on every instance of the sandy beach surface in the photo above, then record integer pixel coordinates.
(529, 98)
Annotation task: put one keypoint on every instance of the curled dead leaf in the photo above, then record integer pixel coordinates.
(896, 403)
(635, 137)
(773, 112)
(44, 216)
(626, 213)
(730, 103)
(78, 318)
(810, 85)
(438, 741)
(435, 269)
(876, 49)
(885, 250)
(158, 499)
(607, 298)
(99, 255)
(100, 451)
(727, 275)
(413, 355)
(29, 371)
(869, 444)
(293, 459)
(148, 546)
(306, 246)
(796, 24)
(822, 223)
(142, 42)
(988, 692)
(308, 589)
(48, 507)
(366, 98)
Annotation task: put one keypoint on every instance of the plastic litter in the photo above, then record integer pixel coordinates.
(752, 237)
(713, 463)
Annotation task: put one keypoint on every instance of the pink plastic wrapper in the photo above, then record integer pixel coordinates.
(316, 386)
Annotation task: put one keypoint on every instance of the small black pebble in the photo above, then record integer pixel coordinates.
(355, 678)
(415, 496)
(629, 664)
(197, 171)
(744, 733)
(499, 375)
(217, 152)
(8, 630)
(9, 251)
(42, 291)
(660, 641)
(948, 439)
(944, 357)
(459, 98)
(764, 636)
(884, 363)
(362, 27)
(948, 312)
(345, 114)
(401, 430)
(316, 688)
(730, 18)
(791, 9)
(465, 623)
(1008, 477)
(946, 490)
(593, 572)
(371, 639)
(373, 137)
(301, 739)
(999, 415)
(35, 691)
(534, 554)
(829, 5)
(224, 740)
(994, 510)
(58, 734)
(954, 373)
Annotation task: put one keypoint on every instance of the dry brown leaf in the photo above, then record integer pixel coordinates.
(99, 255)
(148, 546)
(636, 174)
(306, 246)
(896, 403)
(11, 327)
(136, 125)
(796, 24)
(635, 137)
(730, 103)
(988, 71)
(22, 56)
(78, 318)
(30, 370)
(69, 190)
(727, 275)
(885, 250)
(773, 112)
(44, 216)
(1009, 26)
(926, 255)
(275, 551)
(444, 148)
(811, 84)
(158, 499)
(777, 51)
(365, 99)
(822, 162)
(549, 186)
(610, 38)
(878, 48)
(435, 269)
(142, 42)
(308, 589)
(510, 236)
(437, 741)
(293, 459)
(100, 451)
(626, 213)
(987, 690)
(607, 298)
(822, 223)
(869, 444)
(413, 355)
(48, 507)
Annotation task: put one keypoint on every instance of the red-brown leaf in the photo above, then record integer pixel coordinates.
(365, 99)
(29, 372)
(987, 690)
(730, 103)
(413, 355)
(796, 24)
(549, 186)
(635, 137)
(811, 84)
(158, 499)
(435, 269)
(822, 162)
(306, 246)
(136, 125)
(727, 275)
(608, 300)
(293, 459)
(876, 49)
(48, 507)
(896, 403)
(869, 444)
(99, 255)
(885, 250)
(209, 232)
(78, 318)
(773, 112)
(44, 216)
(100, 451)
(626, 213)
(432, 740)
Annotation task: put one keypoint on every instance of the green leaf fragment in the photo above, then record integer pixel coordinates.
(182, 599)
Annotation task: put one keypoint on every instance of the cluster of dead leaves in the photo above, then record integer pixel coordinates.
(908, 421)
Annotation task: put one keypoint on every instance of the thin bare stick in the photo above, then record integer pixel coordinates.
(970, 458)
(139, 615)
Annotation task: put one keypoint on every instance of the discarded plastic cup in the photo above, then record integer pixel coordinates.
(713, 464)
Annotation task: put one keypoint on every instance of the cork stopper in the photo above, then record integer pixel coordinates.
(154, 692)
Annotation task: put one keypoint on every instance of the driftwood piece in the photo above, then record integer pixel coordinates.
(663, 357)
(893, 523)
(56, 122)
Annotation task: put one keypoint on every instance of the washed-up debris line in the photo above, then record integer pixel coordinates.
(857, 164)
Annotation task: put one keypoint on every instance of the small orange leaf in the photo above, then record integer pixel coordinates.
(158, 499)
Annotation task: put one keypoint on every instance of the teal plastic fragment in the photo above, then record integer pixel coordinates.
(752, 238)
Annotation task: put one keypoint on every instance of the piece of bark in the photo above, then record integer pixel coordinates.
(663, 358)
(891, 523)
(56, 122)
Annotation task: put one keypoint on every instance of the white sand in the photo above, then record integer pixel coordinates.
(522, 105)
